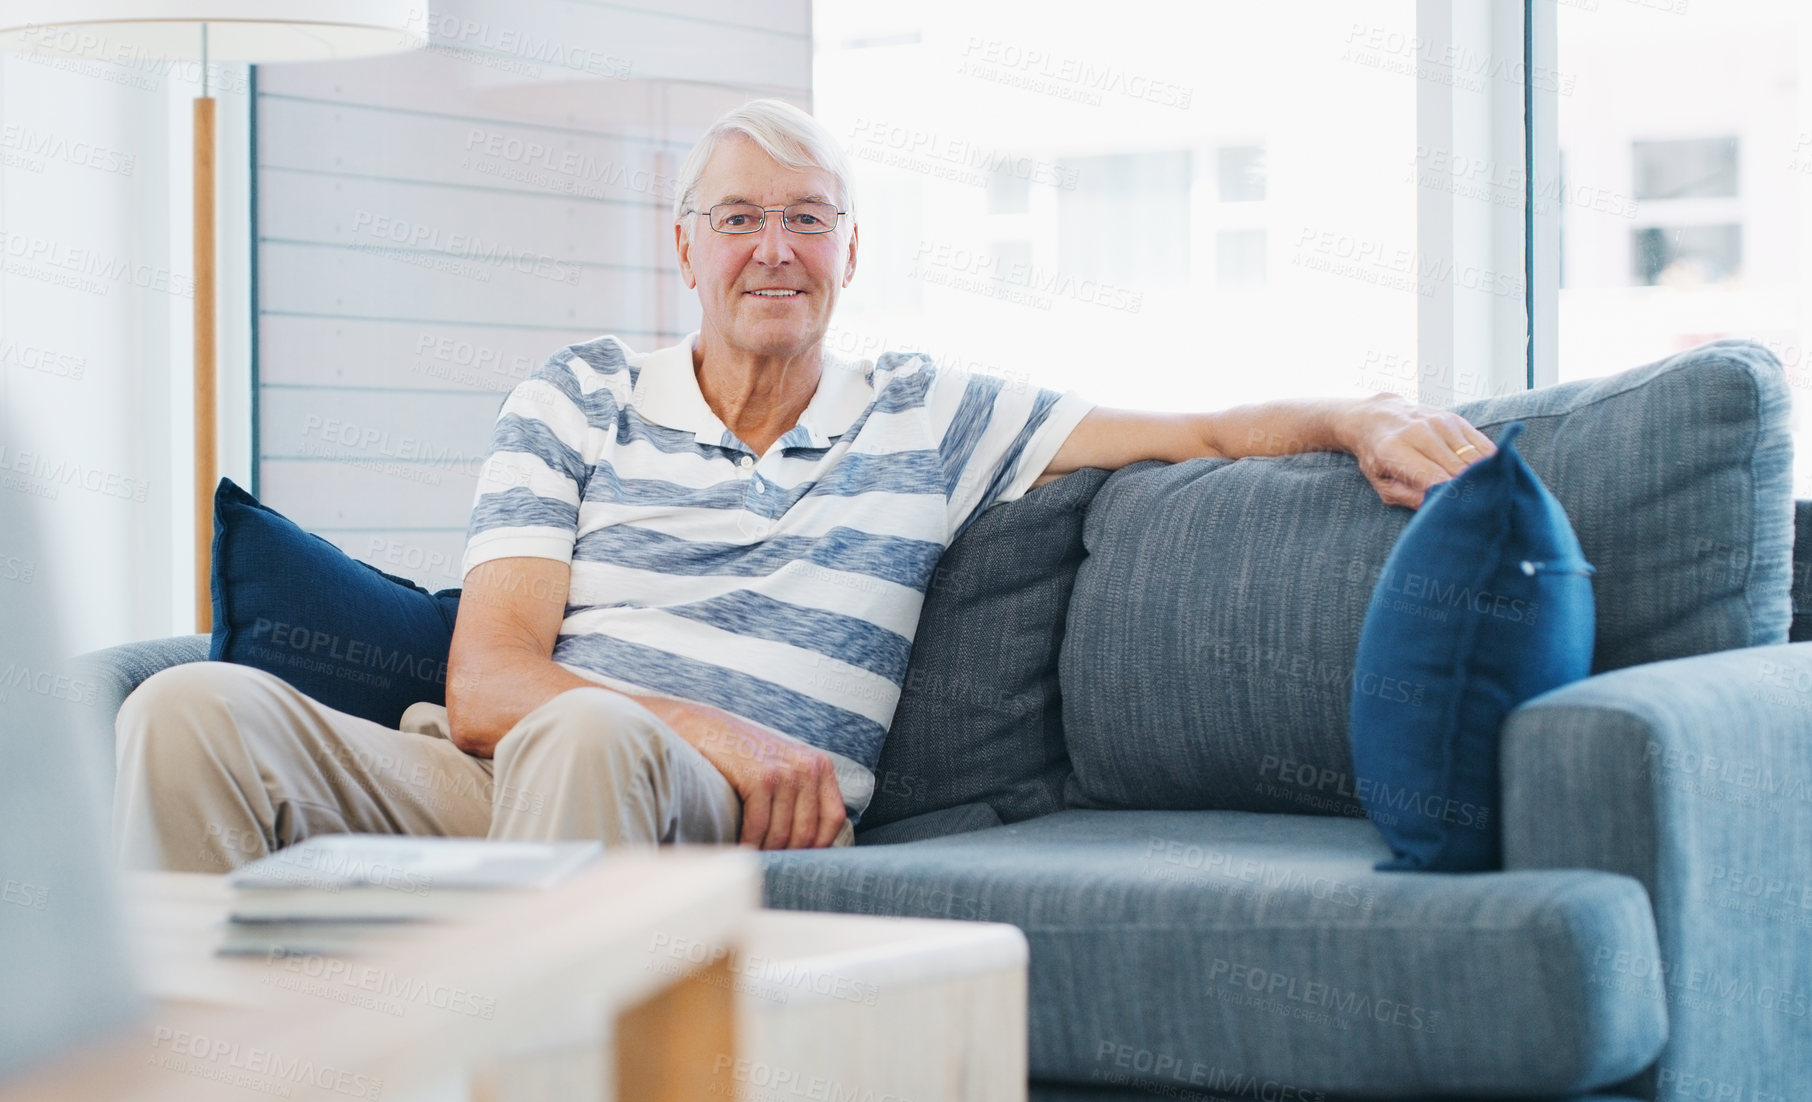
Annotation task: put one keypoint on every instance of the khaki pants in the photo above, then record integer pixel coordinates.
(220, 764)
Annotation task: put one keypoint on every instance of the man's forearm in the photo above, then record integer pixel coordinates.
(485, 699)
(1279, 428)
(482, 706)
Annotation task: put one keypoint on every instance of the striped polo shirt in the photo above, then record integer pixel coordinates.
(783, 588)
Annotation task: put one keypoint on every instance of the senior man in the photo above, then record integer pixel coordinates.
(692, 575)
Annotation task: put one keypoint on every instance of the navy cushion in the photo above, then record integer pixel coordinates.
(980, 718)
(1209, 657)
(1484, 602)
(1240, 947)
(349, 635)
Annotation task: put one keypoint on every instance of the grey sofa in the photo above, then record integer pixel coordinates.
(1124, 731)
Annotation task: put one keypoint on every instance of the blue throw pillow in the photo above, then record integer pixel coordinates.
(1484, 602)
(349, 635)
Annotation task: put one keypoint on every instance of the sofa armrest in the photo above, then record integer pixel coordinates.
(116, 671)
(1695, 777)
(113, 672)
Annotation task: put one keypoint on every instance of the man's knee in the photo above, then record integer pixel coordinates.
(186, 707)
(174, 691)
(588, 723)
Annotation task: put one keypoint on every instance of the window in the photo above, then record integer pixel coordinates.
(1143, 208)
(1688, 180)
(1241, 173)
(1686, 256)
(1690, 169)
(1131, 224)
(1239, 259)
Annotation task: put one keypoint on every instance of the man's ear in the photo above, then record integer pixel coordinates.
(683, 246)
(849, 269)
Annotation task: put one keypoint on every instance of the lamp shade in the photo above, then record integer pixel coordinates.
(238, 30)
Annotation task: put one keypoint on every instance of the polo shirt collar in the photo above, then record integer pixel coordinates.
(666, 392)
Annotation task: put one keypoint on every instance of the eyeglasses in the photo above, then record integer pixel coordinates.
(749, 218)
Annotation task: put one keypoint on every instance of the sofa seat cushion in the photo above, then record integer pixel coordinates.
(1233, 944)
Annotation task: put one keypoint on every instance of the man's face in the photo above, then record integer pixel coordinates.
(731, 270)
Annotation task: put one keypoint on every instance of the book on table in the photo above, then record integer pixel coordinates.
(341, 893)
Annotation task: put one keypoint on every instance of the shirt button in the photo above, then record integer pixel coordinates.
(759, 487)
(746, 462)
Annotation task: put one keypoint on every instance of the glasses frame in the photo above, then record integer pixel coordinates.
(765, 211)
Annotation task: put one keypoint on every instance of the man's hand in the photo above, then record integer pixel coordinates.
(790, 798)
(1404, 448)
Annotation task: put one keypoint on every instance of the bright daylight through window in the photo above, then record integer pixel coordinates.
(1166, 209)
(1686, 174)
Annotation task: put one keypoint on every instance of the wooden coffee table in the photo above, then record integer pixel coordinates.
(645, 978)
(467, 1011)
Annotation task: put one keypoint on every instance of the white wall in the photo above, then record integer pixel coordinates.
(95, 345)
(432, 226)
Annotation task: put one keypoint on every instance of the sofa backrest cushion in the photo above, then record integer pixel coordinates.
(1209, 657)
(979, 718)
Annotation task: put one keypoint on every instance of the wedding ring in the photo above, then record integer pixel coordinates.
(1463, 449)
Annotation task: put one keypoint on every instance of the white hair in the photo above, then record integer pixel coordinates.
(783, 132)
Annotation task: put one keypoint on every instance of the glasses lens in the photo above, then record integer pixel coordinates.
(811, 217)
(736, 218)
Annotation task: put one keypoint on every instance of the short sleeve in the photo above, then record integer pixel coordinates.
(999, 436)
(533, 477)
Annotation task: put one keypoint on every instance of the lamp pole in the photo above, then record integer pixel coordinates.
(206, 460)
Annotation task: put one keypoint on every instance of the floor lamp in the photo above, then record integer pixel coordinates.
(209, 31)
